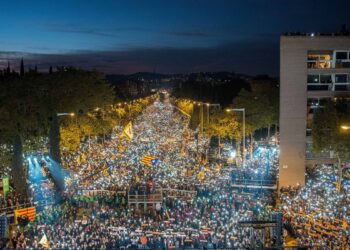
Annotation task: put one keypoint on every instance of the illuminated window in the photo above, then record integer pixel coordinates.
(319, 59)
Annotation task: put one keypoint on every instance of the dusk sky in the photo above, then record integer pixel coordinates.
(165, 36)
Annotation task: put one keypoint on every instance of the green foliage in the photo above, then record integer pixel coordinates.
(224, 125)
(261, 106)
(29, 102)
(327, 133)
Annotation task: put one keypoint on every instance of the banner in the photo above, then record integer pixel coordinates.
(30, 212)
(6, 185)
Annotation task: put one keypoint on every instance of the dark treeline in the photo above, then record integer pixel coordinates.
(219, 87)
(31, 101)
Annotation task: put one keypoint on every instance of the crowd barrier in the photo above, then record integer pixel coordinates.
(101, 192)
(10, 209)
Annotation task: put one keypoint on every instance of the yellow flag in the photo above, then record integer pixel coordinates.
(44, 242)
(78, 159)
(128, 131)
(83, 158)
(345, 224)
(201, 175)
(105, 172)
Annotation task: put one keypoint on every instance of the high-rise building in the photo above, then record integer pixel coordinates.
(312, 67)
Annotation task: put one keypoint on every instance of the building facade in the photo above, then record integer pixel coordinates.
(312, 68)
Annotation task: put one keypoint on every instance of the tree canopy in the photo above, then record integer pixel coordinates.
(327, 132)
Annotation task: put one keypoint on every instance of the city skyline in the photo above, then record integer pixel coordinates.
(171, 37)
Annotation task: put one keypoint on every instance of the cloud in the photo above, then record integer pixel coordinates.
(77, 29)
(189, 34)
(248, 56)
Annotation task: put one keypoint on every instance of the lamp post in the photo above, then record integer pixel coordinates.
(243, 113)
(201, 104)
(208, 106)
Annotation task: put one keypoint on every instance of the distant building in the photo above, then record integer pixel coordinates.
(312, 67)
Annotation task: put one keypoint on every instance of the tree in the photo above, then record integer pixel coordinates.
(261, 105)
(72, 90)
(19, 121)
(327, 133)
(22, 68)
(223, 125)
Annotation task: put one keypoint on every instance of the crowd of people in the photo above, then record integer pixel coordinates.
(96, 214)
(319, 212)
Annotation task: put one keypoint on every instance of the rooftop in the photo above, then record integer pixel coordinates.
(346, 33)
(343, 32)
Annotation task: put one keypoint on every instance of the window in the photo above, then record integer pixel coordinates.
(319, 59)
(326, 78)
(340, 78)
(313, 79)
(341, 55)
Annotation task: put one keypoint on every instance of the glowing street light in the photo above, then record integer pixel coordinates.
(68, 114)
(345, 127)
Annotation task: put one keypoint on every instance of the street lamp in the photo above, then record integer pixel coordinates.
(63, 114)
(211, 105)
(243, 113)
(345, 127)
(201, 104)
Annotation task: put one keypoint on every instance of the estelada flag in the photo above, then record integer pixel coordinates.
(30, 212)
(128, 131)
(149, 160)
(44, 242)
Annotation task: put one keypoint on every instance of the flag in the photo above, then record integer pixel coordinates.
(5, 185)
(201, 175)
(167, 214)
(344, 225)
(30, 212)
(149, 160)
(106, 172)
(128, 131)
(109, 168)
(44, 242)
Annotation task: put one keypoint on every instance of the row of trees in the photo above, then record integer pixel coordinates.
(36, 106)
(30, 105)
(260, 100)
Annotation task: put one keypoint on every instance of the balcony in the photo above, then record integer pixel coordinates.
(328, 82)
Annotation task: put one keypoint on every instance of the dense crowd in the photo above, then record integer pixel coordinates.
(318, 212)
(95, 213)
(103, 219)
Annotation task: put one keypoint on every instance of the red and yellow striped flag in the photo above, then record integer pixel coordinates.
(149, 160)
(30, 212)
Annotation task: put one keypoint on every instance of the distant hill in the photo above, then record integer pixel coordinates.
(137, 76)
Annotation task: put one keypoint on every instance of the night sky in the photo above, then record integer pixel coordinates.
(162, 36)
